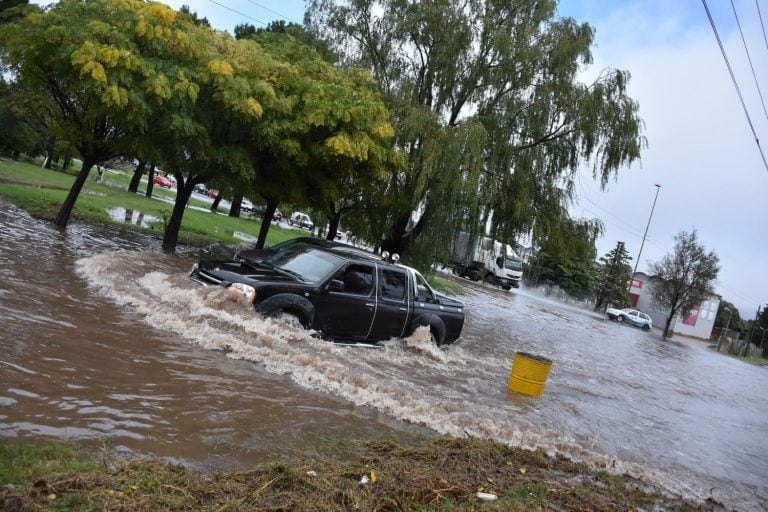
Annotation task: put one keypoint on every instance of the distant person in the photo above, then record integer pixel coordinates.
(100, 170)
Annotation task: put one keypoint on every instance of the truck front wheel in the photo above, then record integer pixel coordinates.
(488, 279)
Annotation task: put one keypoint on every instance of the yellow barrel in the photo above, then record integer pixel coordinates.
(529, 373)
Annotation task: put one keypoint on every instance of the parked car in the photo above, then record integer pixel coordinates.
(212, 192)
(200, 188)
(342, 292)
(631, 316)
(259, 210)
(246, 206)
(162, 181)
(302, 220)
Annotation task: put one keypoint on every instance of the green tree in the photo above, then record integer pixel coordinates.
(611, 278)
(494, 85)
(566, 256)
(106, 66)
(18, 133)
(212, 141)
(330, 129)
(728, 316)
(686, 277)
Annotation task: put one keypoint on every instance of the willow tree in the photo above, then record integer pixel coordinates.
(106, 66)
(566, 255)
(508, 68)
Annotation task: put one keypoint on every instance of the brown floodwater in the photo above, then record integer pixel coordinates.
(104, 337)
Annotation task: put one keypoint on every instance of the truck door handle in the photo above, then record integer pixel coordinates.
(369, 305)
(403, 309)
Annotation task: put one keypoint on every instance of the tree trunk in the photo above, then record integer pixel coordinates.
(216, 201)
(397, 242)
(333, 227)
(69, 203)
(171, 235)
(48, 162)
(234, 208)
(266, 221)
(150, 180)
(667, 331)
(136, 178)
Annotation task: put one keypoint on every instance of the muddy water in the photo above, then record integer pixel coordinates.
(109, 339)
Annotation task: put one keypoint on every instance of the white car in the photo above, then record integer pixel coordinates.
(631, 316)
(246, 205)
(302, 220)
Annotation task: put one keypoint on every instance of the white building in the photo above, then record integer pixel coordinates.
(698, 323)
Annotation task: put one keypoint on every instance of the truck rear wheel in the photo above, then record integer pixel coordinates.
(488, 279)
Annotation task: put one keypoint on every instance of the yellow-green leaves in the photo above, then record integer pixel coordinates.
(219, 67)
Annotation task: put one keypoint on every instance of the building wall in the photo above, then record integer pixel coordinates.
(698, 324)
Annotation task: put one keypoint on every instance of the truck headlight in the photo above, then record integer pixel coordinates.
(248, 292)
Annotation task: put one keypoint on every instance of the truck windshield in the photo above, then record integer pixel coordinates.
(514, 264)
(311, 264)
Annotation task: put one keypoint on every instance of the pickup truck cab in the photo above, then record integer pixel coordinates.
(342, 292)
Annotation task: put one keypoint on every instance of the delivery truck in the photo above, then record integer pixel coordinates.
(483, 259)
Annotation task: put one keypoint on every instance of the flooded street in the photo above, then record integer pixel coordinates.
(103, 336)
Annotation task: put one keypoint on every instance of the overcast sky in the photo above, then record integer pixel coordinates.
(700, 146)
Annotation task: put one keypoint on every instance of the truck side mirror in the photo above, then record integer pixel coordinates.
(336, 285)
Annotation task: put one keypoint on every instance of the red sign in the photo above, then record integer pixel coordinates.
(692, 316)
(637, 283)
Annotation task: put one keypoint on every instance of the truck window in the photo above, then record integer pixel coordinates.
(358, 279)
(423, 291)
(393, 284)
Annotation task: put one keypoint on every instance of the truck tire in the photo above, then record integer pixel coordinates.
(506, 287)
(488, 279)
(288, 303)
(436, 327)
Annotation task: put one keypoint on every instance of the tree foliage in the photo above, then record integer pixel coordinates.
(611, 278)
(331, 130)
(686, 277)
(18, 133)
(487, 109)
(566, 257)
(728, 316)
(105, 66)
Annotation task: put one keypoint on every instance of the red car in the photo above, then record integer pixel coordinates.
(163, 182)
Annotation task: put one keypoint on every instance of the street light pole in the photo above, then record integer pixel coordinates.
(658, 187)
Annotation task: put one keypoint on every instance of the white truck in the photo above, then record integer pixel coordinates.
(487, 260)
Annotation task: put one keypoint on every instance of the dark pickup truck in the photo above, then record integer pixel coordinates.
(342, 292)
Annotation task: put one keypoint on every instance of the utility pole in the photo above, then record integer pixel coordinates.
(637, 261)
(751, 330)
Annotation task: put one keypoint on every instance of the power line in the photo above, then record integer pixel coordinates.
(749, 59)
(238, 12)
(273, 11)
(735, 83)
(762, 25)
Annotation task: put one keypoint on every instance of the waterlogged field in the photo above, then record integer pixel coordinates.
(113, 340)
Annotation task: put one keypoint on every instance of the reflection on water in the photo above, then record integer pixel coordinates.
(115, 341)
(128, 216)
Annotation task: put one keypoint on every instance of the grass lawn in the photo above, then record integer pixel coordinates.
(41, 192)
(430, 474)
